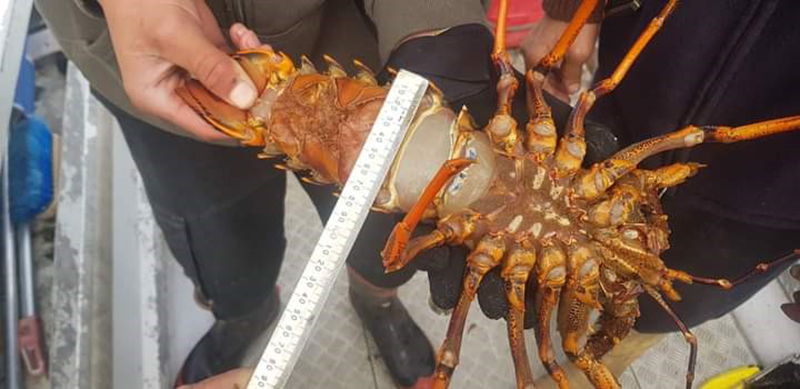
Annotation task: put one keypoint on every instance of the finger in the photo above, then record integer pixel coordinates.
(554, 85)
(570, 74)
(492, 295)
(533, 50)
(446, 284)
(213, 68)
(244, 38)
(530, 302)
(795, 272)
(170, 107)
(231, 379)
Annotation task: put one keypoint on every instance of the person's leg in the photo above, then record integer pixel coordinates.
(405, 349)
(221, 212)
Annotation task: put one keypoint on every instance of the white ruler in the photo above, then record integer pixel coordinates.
(309, 296)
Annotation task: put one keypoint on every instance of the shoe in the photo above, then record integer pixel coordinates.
(227, 342)
(404, 347)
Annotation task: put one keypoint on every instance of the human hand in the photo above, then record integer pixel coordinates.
(566, 78)
(161, 43)
(232, 379)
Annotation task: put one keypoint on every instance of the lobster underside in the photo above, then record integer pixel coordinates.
(583, 239)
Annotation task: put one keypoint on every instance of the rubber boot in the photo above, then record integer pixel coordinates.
(404, 347)
(227, 342)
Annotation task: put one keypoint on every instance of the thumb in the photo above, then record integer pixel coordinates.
(213, 68)
(571, 71)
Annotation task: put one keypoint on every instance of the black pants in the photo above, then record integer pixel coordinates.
(221, 210)
(708, 245)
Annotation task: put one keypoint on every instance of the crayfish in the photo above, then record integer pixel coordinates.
(589, 238)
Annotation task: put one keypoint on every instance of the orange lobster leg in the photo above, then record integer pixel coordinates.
(751, 131)
(572, 150)
(574, 27)
(516, 268)
(760, 268)
(486, 256)
(550, 276)
(502, 129)
(687, 334)
(603, 174)
(395, 255)
(541, 129)
(577, 299)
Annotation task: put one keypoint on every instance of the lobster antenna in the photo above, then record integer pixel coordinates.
(500, 30)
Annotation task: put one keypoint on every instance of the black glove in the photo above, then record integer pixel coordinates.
(459, 62)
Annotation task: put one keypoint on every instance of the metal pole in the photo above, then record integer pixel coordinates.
(10, 273)
(27, 305)
(14, 18)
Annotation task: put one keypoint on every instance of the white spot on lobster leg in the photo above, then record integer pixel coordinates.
(538, 179)
(555, 191)
(449, 359)
(550, 215)
(631, 234)
(575, 149)
(536, 229)
(556, 273)
(693, 138)
(587, 268)
(514, 224)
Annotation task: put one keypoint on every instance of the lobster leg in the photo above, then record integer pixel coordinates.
(611, 329)
(760, 268)
(671, 175)
(486, 256)
(620, 311)
(502, 129)
(395, 255)
(577, 299)
(515, 271)
(550, 276)
(541, 129)
(603, 174)
(751, 131)
(573, 148)
(687, 334)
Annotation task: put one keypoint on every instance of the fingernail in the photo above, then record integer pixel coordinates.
(252, 40)
(242, 95)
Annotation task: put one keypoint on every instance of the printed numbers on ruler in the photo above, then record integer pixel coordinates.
(340, 232)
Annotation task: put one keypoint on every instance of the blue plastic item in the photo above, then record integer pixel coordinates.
(30, 150)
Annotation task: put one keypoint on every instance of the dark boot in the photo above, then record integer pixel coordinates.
(225, 345)
(404, 347)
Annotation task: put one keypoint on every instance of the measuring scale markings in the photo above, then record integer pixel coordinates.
(340, 232)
